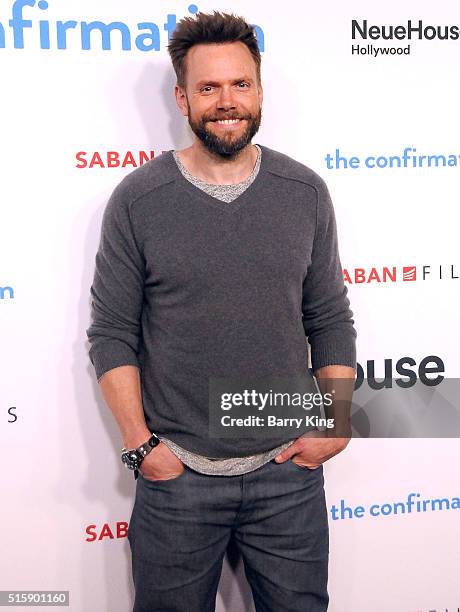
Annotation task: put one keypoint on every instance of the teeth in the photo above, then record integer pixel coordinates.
(228, 121)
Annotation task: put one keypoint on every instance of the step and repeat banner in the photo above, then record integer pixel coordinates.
(364, 93)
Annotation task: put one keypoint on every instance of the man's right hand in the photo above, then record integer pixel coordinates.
(161, 464)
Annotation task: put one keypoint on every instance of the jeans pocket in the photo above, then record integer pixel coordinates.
(304, 467)
(157, 481)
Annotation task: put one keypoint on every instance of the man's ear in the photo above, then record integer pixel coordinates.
(181, 99)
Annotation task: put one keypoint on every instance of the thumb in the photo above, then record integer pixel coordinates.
(286, 454)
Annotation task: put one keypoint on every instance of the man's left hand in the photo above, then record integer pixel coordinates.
(313, 449)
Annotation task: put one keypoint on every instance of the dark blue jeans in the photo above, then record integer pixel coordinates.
(180, 528)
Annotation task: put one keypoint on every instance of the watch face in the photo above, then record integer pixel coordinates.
(130, 459)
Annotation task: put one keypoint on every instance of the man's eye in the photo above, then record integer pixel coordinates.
(243, 83)
(206, 88)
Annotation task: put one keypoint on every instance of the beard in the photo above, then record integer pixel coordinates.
(228, 145)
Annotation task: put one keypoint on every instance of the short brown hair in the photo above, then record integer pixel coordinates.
(206, 28)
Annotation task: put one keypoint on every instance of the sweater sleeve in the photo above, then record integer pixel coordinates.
(327, 317)
(117, 290)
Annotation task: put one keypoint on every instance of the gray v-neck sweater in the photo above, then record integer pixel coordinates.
(234, 466)
(188, 287)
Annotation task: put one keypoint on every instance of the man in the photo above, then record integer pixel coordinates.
(217, 261)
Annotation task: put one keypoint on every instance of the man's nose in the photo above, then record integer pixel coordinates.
(226, 99)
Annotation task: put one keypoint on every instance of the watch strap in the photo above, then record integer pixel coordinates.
(144, 449)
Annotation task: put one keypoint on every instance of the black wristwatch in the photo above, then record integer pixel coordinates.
(133, 457)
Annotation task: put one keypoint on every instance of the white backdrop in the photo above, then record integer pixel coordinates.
(66, 497)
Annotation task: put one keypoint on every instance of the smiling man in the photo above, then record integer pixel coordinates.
(215, 262)
(223, 132)
(223, 104)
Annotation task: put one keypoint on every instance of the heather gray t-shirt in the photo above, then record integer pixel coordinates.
(188, 287)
